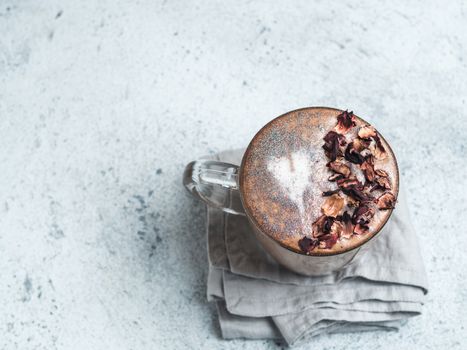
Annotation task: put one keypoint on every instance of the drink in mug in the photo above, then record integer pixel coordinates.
(316, 184)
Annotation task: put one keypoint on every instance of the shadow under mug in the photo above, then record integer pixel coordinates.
(217, 184)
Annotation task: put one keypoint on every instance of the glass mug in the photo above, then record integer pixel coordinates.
(220, 185)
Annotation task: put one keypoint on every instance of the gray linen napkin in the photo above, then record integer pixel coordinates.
(258, 298)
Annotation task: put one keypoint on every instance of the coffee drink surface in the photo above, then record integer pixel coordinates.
(285, 172)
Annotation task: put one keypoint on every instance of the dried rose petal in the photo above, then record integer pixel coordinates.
(347, 229)
(329, 138)
(322, 226)
(317, 226)
(367, 185)
(337, 228)
(368, 215)
(348, 183)
(366, 132)
(339, 168)
(333, 205)
(330, 193)
(378, 150)
(381, 172)
(332, 135)
(352, 155)
(361, 229)
(328, 224)
(386, 201)
(335, 177)
(368, 168)
(307, 244)
(332, 143)
(383, 183)
(379, 154)
(351, 202)
(361, 144)
(379, 144)
(354, 189)
(328, 241)
(345, 122)
(363, 214)
(357, 194)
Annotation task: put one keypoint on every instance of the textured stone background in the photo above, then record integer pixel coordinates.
(103, 103)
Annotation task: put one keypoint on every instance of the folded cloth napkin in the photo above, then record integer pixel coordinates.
(257, 298)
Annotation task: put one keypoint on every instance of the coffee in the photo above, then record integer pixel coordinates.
(319, 181)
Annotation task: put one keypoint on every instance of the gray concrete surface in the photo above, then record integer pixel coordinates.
(102, 104)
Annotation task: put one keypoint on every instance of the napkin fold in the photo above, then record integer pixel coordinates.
(257, 298)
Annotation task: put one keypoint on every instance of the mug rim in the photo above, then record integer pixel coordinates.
(253, 221)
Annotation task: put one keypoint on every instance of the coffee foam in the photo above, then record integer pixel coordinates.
(293, 175)
(284, 173)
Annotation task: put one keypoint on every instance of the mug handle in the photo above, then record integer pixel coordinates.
(215, 183)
